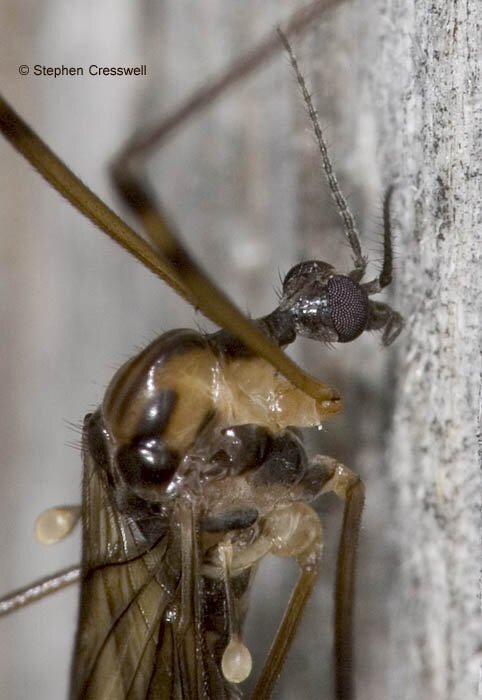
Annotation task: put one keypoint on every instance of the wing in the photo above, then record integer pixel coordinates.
(122, 641)
(143, 608)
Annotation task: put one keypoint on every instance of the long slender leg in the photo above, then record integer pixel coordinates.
(325, 474)
(351, 490)
(285, 635)
(49, 165)
(295, 532)
(38, 590)
(240, 69)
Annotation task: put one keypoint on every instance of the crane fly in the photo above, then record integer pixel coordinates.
(194, 466)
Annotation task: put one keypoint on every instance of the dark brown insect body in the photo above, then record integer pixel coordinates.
(193, 466)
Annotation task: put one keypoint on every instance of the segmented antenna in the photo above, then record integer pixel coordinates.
(351, 231)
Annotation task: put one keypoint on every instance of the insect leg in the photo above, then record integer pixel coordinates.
(187, 635)
(348, 487)
(324, 475)
(387, 267)
(51, 167)
(385, 277)
(51, 526)
(383, 316)
(239, 69)
(38, 590)
(285, 635)
(296, 532)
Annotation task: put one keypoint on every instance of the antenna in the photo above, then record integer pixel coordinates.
(351, 231)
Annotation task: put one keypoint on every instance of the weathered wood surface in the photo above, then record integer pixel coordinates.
(429, 126)
(397, 93)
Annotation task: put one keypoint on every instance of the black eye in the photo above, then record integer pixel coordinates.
(349, 307)
(146, 462)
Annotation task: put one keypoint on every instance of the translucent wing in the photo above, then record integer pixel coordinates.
(123, 646)
(140, 633)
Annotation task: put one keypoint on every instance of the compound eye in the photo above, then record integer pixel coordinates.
(147, 462)
(349, 307)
